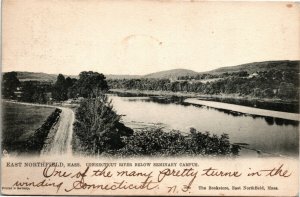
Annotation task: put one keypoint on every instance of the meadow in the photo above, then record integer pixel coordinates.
(20, 122)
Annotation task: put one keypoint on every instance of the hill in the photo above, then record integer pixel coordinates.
(39, 76)
(109, 76)
(32, 76)
(259, 66)
(249, 67)
(174, 74)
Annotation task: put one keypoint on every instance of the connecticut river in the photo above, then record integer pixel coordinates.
(273, 136)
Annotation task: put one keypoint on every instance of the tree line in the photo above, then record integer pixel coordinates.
(214, 76)
(265, 84)
(85, 86)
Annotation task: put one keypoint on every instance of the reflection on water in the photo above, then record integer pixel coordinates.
(280, 121)
(272, 135)
(180, 101)
(269, 120)
(292, 107)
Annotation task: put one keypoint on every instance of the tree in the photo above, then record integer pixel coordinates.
(268, 93)
(71, 88)
(91, 84)
(70, 82)
(59, 92)
(33, 92)
(287, 90)
(10, 83)
(98, 126)
(28, 90)
(242, 74)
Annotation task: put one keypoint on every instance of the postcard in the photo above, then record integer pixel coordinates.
(180, 98)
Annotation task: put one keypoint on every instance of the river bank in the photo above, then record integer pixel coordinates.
(197, 95)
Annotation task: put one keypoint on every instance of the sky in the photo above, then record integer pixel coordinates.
(141, 37)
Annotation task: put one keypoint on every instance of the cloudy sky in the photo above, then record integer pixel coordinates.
(140, 37)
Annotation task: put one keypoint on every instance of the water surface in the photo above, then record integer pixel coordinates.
(267, 134)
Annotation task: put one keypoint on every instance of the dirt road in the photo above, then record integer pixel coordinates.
(63, 137)
(62, 140)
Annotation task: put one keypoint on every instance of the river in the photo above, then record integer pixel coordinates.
(275, 136)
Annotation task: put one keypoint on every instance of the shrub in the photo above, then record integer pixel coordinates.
(159, 143)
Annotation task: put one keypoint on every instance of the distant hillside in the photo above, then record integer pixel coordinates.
(122, 76)
(259, 66)
(32, 76)
(174, 73)
(249, 67)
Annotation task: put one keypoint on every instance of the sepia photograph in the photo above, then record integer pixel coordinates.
(169, 83)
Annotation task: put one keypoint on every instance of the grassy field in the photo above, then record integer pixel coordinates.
(20, 122)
